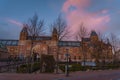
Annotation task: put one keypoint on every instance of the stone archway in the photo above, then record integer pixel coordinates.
(39, 49)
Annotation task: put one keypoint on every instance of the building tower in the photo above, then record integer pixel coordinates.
(55, 34)
(23, 42)
(23, 34)
(93, 36)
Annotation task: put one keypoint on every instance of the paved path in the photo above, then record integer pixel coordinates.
(90, 75)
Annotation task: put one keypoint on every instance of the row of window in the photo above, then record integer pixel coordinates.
(41, 38)
(9, 42)
(69, 44)
(74, 57)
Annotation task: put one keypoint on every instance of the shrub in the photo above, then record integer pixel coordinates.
(74, 67)
(78, 67)
(48, 62)
(36, 66)
(25, 68)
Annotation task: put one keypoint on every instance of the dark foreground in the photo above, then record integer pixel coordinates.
(88, 75)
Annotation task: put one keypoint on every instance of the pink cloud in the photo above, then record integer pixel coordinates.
(91, 20)
(79, 4)
(14, 22)
(104, 11)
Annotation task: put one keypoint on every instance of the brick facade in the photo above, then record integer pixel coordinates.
(51, 45)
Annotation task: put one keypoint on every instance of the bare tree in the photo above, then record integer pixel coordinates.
(82, 33)
(62, 31)
(101, 51)
(34, 28)
(102, 37)
(115, 44)
(62, 28)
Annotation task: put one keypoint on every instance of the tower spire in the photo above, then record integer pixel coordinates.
(54, 34)
(24, 33)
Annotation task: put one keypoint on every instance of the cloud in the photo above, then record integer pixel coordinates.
(118, 12)
(76, 12)
(17, 23)
(79, 4)
(104, 11)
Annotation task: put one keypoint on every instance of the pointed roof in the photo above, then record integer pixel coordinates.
(24, 29)
(108, 42)
(54, 30)
(93, 33)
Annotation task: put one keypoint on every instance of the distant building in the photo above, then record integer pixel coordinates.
(94, 49)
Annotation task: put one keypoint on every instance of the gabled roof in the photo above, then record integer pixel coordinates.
(69, 43)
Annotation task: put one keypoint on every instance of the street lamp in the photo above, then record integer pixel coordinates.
(67, 63)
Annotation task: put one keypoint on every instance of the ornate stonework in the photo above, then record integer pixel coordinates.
(90, 48)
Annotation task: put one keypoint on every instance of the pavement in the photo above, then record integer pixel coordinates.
(86, 75)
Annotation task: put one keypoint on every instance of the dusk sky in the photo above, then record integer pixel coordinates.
(99, 15)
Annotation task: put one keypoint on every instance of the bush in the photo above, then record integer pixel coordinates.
(25, 68)
(78, 67)
(48, 62)
(36, 66)
(74, 67)
(22, 69)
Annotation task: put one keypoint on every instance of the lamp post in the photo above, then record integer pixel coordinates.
(67, 63)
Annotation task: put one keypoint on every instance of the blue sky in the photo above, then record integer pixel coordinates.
(102, 15)
(22, 10)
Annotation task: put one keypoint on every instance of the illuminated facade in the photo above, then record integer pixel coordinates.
(50, 45)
